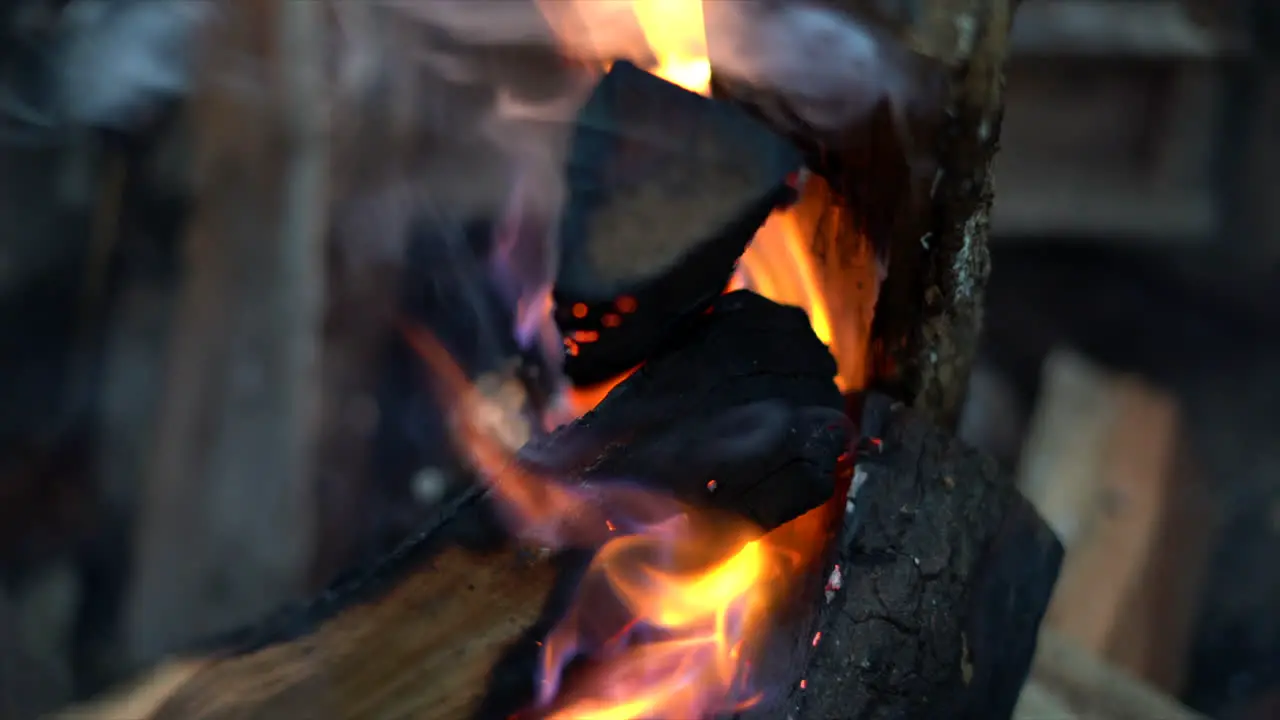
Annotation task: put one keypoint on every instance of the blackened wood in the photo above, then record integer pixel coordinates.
(738, 410)
(666, 189)
(946, 572)
(448, 627)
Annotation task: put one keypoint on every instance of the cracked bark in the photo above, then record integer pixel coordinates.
(929, 314)
(947, 573)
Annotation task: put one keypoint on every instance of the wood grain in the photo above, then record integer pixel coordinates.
(423, 650)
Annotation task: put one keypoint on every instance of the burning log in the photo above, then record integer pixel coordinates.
(943, 577)
(666, 189)
(930, 610)
(701, 569)
(906, 148)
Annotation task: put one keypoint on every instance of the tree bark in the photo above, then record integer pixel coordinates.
(946, 574)
(940, 277)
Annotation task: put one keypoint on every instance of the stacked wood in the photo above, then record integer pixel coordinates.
(1068, 681)
(1109, 467)
(935, 520)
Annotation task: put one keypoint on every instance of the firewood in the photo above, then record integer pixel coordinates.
(944, 573)
(671, 424)
(666, 189)
(914, 178)
(225, 503)
(1069, 681)
(1109, 467)
(741, 398)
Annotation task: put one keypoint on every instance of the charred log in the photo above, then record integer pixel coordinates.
(738, 410)
(666, 189)
(750, 370)
(944, 574)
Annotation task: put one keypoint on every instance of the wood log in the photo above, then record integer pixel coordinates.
(972, 532)
(946, 574)
(942, 580)
(928, 331)
(1108, 465)
(415, 636)
(914, 179)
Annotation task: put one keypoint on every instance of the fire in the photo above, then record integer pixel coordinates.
(692, 588)
(675, 32)
(778, 263)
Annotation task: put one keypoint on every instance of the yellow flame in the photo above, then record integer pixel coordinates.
(713, 613)
(676, 34)
(778, 263)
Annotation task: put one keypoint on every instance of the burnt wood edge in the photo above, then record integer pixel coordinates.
(944, 586)
(946, 578)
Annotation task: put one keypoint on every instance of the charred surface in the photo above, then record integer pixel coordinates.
(946, 573)
(448, 626)
(738, 411)
(666, 188)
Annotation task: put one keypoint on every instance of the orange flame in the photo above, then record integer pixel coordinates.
(778, 264)
(694, 586)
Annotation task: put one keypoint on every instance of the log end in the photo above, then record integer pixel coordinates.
(945, 578)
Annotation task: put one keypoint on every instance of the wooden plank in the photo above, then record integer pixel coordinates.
(1069, 683)
(1107, 466)
(422, 650)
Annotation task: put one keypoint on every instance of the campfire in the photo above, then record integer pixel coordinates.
(674, 609)
(675, 605)
(713, 516)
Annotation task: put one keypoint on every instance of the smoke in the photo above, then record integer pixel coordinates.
(833, 68)
(120, 60)
(462, 109)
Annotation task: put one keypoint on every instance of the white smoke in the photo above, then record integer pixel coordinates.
(483, 92)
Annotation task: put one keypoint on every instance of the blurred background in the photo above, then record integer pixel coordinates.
(1127, 375)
